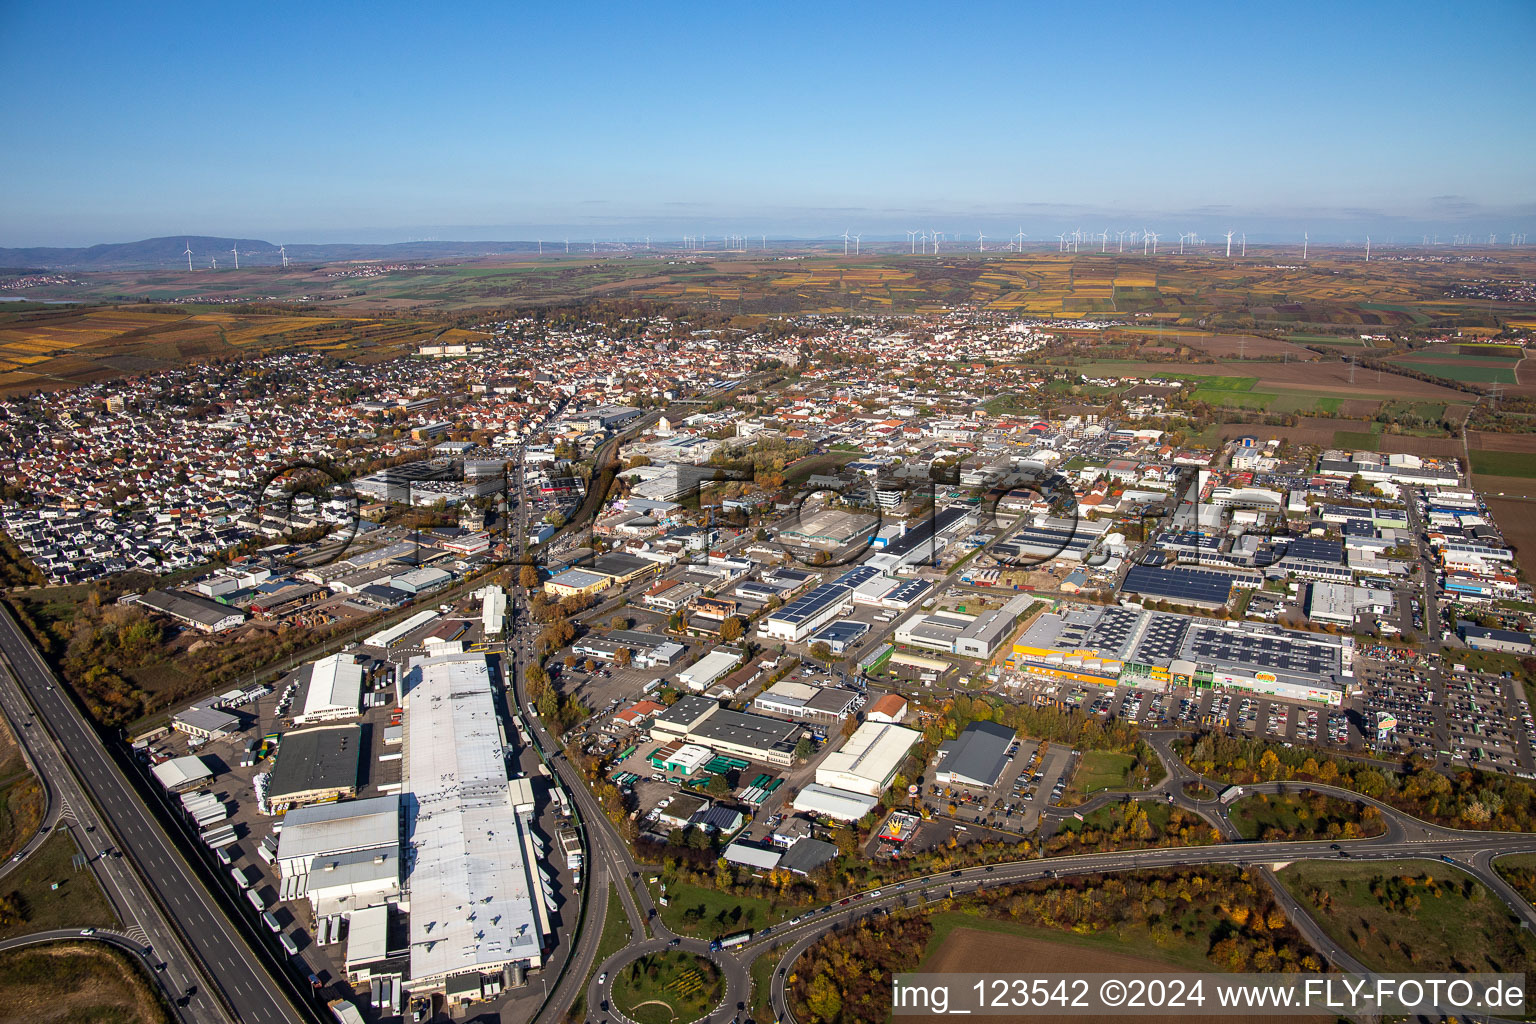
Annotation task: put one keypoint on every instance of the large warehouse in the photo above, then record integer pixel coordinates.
(315, 765)
(807, 613)
(976, 757)
(330, 830)
(333, 690)
(972, 636)
(1110, 645)
(869, 760)
(476, 894)
(700, 720)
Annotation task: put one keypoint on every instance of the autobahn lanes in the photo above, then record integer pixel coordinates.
(236, 968)
(123, 888)
(1473, 851)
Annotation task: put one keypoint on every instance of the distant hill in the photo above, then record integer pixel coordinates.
(170, 252)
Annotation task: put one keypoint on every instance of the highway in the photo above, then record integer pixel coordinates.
(86, 769)
(141, 918)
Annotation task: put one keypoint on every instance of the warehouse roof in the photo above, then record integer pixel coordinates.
(833, 803)
(979, 754)
(873, 752)
(330, 828)
(472, 889)
(316, 760)
(744, 730)
(335, 688)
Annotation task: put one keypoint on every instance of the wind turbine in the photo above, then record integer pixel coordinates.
(215, 261)
(856, 244)
(1245, 243)
(567, 246)
(236, 250)
(1367, 248)
(189, 255)
(1229, 245)
(1061, 242)
(1103, 241)
(845, 241)
(541, 247)
(1182, 236)
(1020, 238)
(981, 242)
(1121, 236)
(912, 242)
(283, 252)
(1305, 238)
(1154, 241)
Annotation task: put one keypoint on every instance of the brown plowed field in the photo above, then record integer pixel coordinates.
(1490, 442)
(1333, 378)
(967, 951)
(1230, 346)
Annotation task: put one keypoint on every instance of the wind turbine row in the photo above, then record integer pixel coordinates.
(282, 254)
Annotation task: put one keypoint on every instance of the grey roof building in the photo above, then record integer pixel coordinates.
(315, 765)
(977, 756)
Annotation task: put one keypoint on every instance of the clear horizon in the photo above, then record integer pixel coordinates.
(393, 123)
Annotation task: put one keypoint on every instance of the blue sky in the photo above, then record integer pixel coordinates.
(384, 121)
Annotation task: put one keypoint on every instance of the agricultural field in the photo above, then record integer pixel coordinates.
(1411, 915)
(1516, 520)
(1504, 463)
(963, 945)
(1513, 487)
(1465, 368)
(62, 348)
(1248, 346)
(1198, 293)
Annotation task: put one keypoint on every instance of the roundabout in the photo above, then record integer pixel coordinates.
(673, 986)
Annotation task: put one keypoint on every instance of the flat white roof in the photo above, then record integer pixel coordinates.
(472, 889)
(834, 803)
(709, 668)
(873, 753)
(335, 689)
(367, 935)
(327, 829)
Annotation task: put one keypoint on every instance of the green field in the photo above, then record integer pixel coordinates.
(1098, 770)
(1104, 818)
(1219, 383)
(1469, 369)
(78, 902)
(709, 913)
(1521, 464)
(1233, 399)
(668, 987)
(1356, 439)
(1325, 339)
(1411, 915)
(1304, 402)
(1520, 872)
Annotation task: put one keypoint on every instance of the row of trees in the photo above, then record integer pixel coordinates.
(1224, 914)
(1470, 798)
